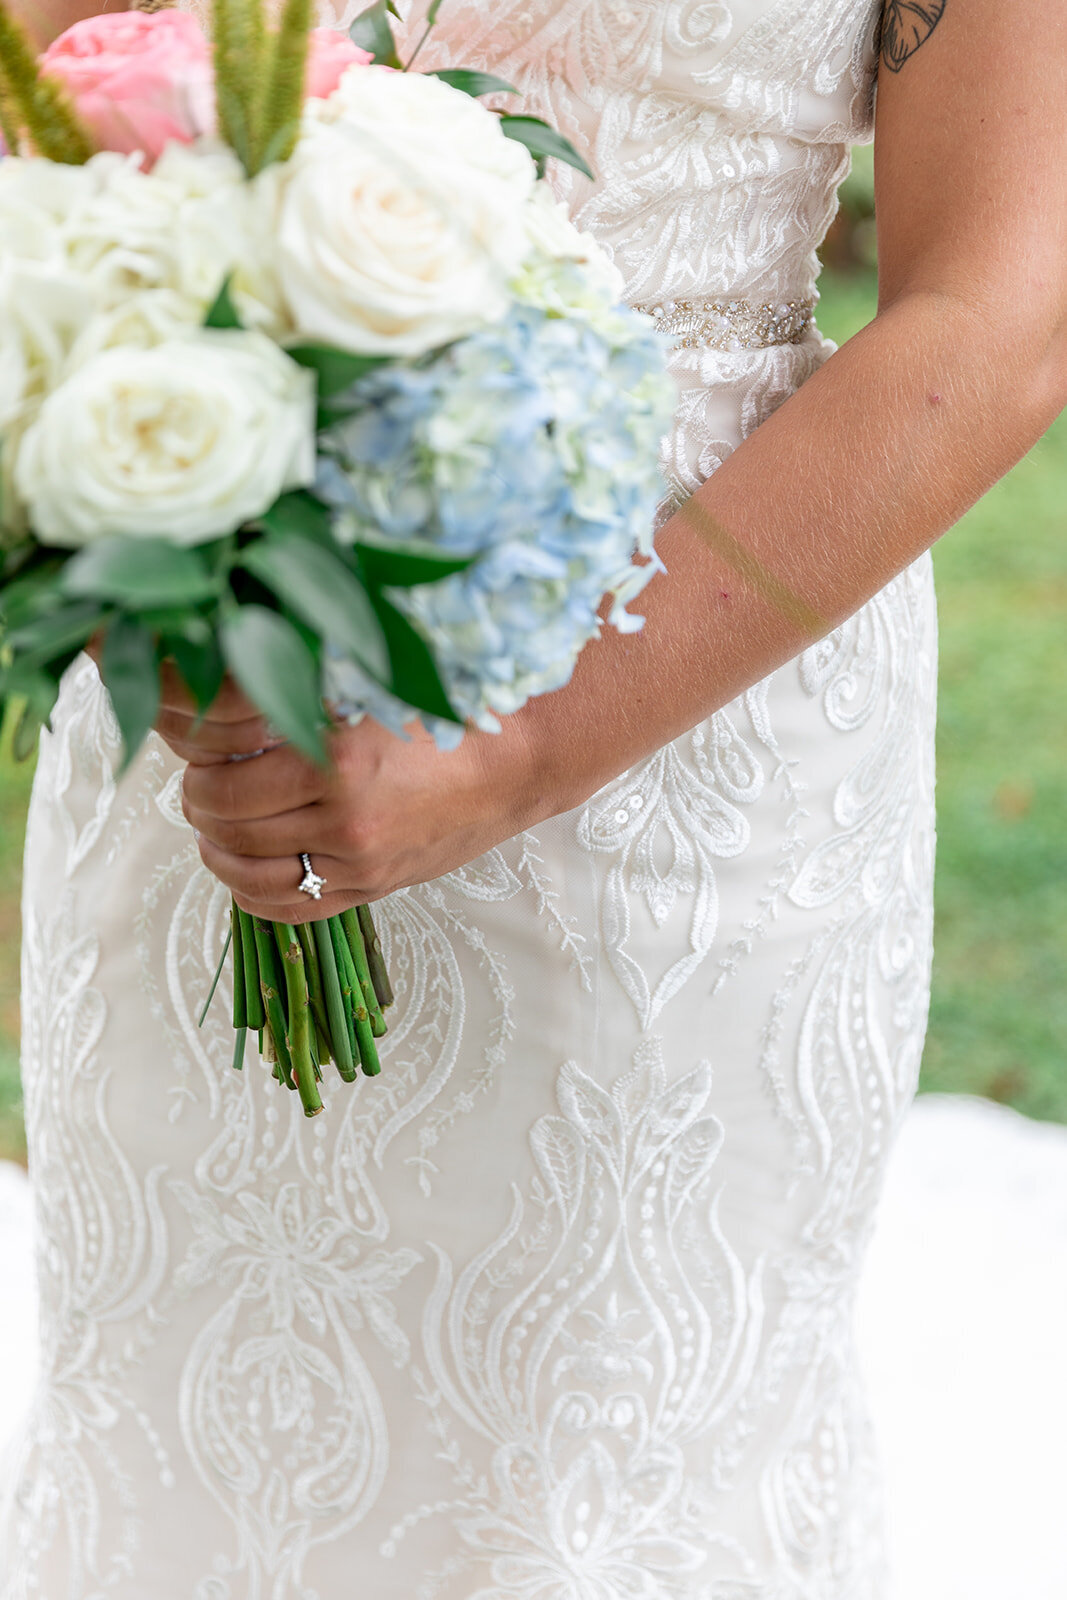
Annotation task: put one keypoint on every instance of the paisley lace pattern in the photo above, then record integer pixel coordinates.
(559, 1306)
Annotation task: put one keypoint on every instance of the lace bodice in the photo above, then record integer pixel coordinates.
(718, 130)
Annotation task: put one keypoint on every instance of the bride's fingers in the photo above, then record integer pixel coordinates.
(213, 740)
(270, 888)
(313, 828)
(231, 704)
(277, 783)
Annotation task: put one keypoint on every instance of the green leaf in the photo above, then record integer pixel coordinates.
(130, 672)
(431, 15)
(27, 700)
(223, 312)
(278, 673)
(200, 665)
(299, 514)
(402, 569)
(371, 31)
(25, 731)
(473, 83)
(52, 636)
(139, 574)
(316, 584)
(414, 675)
(181, 624)
(32, 594)
(542, 141)
(336, 369)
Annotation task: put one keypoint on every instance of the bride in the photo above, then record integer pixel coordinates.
(559, 1306)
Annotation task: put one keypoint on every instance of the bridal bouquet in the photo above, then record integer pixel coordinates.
(304, 377)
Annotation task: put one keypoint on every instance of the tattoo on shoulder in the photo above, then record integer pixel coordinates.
(906, 26)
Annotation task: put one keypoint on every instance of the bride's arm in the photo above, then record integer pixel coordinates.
(44, 19)
(962, 370)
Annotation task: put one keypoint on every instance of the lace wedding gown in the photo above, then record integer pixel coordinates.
(559, 1307)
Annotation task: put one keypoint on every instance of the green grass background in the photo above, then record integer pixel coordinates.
(998, 1024)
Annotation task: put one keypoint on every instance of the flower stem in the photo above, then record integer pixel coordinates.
(270, 989)
(350, 990)
(215, 979)
(331, 984)
(240, 1007)
(358, 951)
(256, 1016)
(348, 933)
(298, 1038)
(315, 992)
(375, 960)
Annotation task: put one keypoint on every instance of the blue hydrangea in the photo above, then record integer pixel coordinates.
(533, 446)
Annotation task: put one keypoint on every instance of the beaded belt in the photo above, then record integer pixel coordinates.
(732, 324)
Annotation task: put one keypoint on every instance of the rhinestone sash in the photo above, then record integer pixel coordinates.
(732, 324)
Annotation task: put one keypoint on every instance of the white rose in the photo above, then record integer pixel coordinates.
(401, 217)
(36, 198)
(138, 323)
(41, 313)
(565, 270)
(418, 114)
(183, 226)
(185, 440)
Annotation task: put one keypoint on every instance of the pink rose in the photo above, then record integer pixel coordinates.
(329, 53)
(137, 79)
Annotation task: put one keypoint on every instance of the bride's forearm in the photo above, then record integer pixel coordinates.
(850, 480)
(44, 19)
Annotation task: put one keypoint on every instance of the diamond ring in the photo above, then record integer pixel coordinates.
(312, 885)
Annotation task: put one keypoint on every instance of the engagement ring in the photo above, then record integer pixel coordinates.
(312, 885)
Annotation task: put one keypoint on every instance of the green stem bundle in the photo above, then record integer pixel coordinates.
(310, 994)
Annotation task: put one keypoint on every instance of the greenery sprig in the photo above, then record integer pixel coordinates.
(31, 102)
(284, 94)
(259, 78)
(9, 125)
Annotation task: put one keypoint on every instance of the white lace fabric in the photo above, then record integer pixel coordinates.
(559, 1306)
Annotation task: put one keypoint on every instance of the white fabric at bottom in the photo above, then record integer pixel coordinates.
(962, 1328)
(963, 1324)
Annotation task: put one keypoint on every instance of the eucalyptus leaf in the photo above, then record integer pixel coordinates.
(25, 731)
(414, 674)
(34, 593)
(223, 313)
(130, 671)
(200, 666)
(140, 574)
(26, 703)
(372, 31)
(301, 515)
(543, 141)
(53, 636)
(316, 584)
(473, 83)
(278, 673)
(335, 369)
(402, 569)
(188, 625)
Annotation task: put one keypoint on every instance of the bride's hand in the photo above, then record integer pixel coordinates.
(386, 813)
